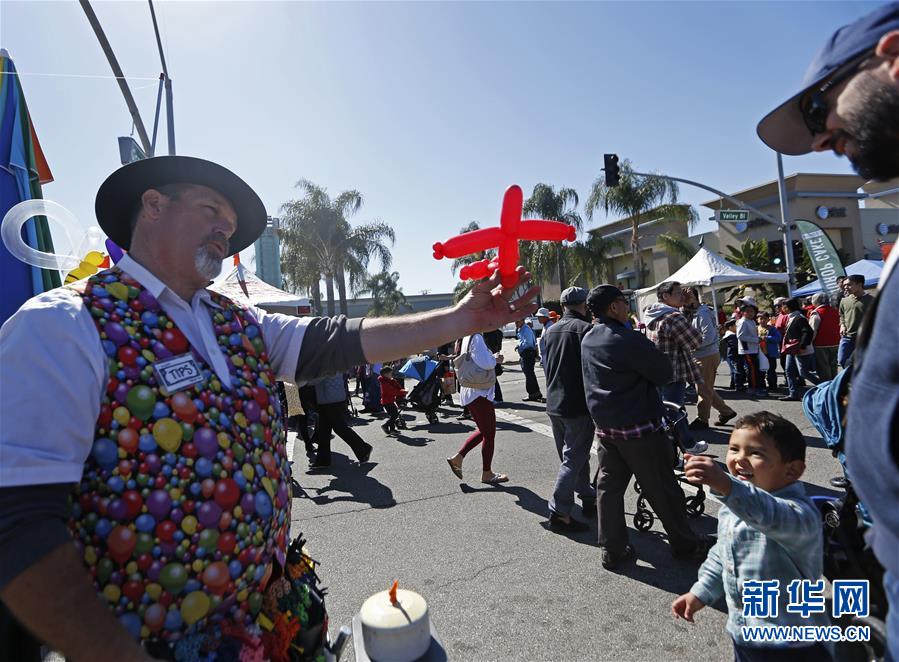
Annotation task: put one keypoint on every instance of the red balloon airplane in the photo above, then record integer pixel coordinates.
(504, 238)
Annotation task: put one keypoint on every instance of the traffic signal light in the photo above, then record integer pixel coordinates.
(611, 169)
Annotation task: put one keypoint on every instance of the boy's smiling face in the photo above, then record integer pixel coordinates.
(754, 457)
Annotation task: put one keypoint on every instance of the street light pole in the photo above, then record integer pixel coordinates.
(785, 225)
(169, 110)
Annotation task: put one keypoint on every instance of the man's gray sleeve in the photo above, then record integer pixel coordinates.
(33, 522)
(330, 345)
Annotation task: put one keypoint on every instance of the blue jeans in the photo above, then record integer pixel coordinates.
(891, 586)
(573, 437)
(844, 352)
(676, 392)
(799, 368)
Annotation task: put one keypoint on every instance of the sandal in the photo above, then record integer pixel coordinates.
(496, 479)
(456, 470)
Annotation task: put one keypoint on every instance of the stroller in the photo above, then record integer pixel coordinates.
(845, 519)
(428, 393)
(695, 504)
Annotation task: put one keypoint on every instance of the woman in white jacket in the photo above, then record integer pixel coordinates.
(479, 401)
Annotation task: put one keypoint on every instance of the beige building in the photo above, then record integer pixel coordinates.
(658, 264)
(831, 201)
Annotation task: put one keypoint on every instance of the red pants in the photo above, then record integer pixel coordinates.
(484, 415)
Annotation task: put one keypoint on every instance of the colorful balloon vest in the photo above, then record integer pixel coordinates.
(184, 502)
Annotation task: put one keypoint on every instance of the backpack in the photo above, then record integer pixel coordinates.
(469, 373)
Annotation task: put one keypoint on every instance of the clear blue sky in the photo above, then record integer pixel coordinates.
(430, 110)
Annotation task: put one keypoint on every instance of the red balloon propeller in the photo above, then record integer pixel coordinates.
(504, 238)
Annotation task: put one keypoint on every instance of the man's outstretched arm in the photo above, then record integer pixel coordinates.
(486, 307)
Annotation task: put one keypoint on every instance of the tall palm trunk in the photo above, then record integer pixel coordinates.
(341, 289)
(563, 275)
(635, 252)
(317, 296)
(329, 288)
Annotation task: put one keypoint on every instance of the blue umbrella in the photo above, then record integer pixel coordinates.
(419, 368)
(22, 171)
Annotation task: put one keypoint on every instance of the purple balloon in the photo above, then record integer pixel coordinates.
(159, 503)
(117, 509)
(116, 333)
(251, 411)
(131, 372)
(206, 442)
(153, 462)
(155, 567)
(248, 504)
(121, 392)
(148, 301)
(115, 253)
(209, 514)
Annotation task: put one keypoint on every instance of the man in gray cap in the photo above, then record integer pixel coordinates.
(849, 104)
(566, 404)
(542, 316)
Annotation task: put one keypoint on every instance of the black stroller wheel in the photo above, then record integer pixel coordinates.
(695, 506)
(643, 520)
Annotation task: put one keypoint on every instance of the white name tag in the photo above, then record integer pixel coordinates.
(177, 373)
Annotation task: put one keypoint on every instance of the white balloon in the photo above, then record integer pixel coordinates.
(11, 232)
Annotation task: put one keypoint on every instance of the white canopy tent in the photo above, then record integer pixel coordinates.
(711, 271)
(261, 293)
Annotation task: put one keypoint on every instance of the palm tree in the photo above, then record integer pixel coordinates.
(752, 254)
(547, 256)
(318, 242)
(387, 296)
(462, 287)
(675, 244)
(637, 197)
(591, 260)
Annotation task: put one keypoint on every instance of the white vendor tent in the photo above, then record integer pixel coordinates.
(261, 293)
(710, 271)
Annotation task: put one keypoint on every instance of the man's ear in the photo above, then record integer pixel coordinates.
(888, 48)
(152, 203)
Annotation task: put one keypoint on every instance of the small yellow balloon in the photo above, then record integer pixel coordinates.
(224, 440)
(197, 566)
(248, 471)
(269, 487)
(90, 555)
(118, 290)
(154, 591)
(168, 434)
(189, 525)
(237, 361)
(194, 607)
(112, 592)
(240, 419)
(131, 568)
(121, 415)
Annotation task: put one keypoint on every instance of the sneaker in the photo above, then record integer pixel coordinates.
(559, 525)
(610, 559)
(698, 424)
(386, 428)
(724, 418)
(365, 455)
(697, 448)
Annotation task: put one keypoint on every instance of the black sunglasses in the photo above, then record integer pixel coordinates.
(812, 104)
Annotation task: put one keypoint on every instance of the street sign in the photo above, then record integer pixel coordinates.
(732, 215)
(129, 150)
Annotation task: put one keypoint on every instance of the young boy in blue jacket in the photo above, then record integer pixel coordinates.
(768, 529)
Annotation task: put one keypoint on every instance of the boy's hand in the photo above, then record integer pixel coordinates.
(685, 606)
(699, 469)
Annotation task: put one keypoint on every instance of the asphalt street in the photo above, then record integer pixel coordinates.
(499, 584)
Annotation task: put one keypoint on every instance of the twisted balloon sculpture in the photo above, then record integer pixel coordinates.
(504, 238)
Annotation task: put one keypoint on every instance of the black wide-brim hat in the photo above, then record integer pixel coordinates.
(119, 196)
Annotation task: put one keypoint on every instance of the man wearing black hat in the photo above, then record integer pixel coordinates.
(623, 372)
(149, 402)
(849, 103)
(566, 405)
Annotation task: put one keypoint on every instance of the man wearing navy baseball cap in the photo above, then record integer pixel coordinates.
(849, 103)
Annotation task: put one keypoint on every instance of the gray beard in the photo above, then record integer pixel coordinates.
(207, 264)
(874, 124)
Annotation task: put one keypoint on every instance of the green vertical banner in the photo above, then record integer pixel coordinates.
(823, 254)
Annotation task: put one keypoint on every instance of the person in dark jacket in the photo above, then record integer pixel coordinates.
(566, 404)
(623, 372)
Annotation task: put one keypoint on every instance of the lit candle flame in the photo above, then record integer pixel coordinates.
(392, 591)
